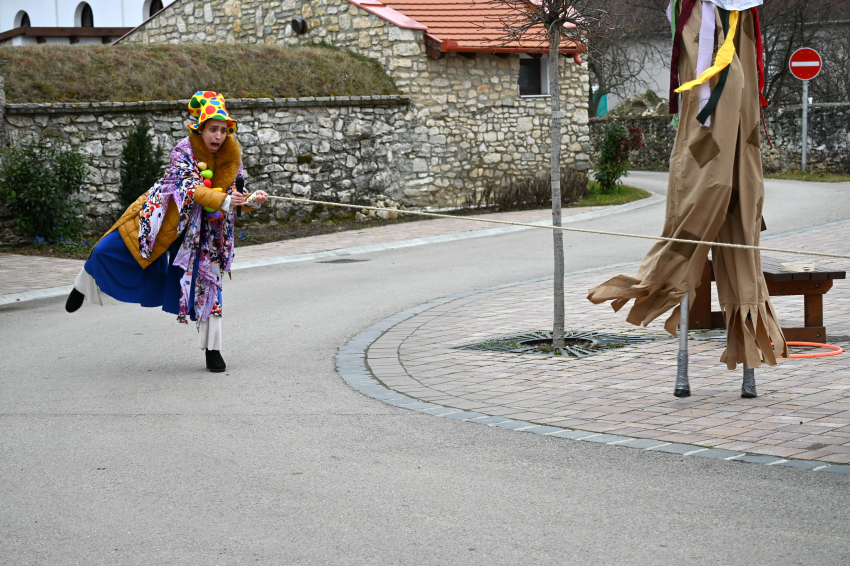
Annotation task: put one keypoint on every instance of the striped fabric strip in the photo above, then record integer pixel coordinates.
(724, 55)
(684, 16)
(725, 17)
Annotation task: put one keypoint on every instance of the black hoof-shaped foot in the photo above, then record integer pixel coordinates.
(215, 363)
(682, 392)
(748, 395)
(75, 301)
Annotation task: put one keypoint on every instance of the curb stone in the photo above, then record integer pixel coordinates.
(352, 366)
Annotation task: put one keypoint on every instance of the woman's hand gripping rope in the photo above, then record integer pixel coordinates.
(582, 230)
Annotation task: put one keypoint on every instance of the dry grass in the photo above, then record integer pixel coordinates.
(528, 193)
(47, 73)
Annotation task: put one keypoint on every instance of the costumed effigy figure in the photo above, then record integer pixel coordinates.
(716, 186)
(170, 248)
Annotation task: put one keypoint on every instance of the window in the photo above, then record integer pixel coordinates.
(84, 17)
(22, 20)
(533, 76)
(156, 6)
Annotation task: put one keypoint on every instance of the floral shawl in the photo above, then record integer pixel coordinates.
(208, 236)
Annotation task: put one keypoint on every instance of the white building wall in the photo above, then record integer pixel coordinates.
(61, 13)
(655, 71)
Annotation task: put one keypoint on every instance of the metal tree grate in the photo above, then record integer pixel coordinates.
(578, 344)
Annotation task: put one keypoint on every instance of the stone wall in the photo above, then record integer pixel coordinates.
(346, 149)
(828, 143)
(471, 124)
(829, 139)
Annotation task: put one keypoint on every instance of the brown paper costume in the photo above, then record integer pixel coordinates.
(716, 193)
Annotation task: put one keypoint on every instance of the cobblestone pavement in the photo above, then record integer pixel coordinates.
(802, 412)
(20, 273)
(25, 273)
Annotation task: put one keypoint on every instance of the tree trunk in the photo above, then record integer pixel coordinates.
(557, 235)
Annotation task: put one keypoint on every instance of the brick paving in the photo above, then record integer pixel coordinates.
(26, 273)
(21, 273)
(802, 412)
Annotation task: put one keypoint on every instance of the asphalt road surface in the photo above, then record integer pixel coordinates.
(117, 447)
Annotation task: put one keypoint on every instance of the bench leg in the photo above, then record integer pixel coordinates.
(701, 309)
(813, 309)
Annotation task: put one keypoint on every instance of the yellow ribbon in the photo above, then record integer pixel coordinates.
(724, 56)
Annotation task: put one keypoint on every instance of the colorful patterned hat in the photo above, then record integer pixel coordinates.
(207, 105)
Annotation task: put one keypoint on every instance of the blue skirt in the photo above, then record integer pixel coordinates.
(119, 275)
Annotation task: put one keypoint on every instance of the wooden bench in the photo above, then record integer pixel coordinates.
(812, 285)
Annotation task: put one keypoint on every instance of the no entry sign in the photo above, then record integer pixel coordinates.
(805, 64)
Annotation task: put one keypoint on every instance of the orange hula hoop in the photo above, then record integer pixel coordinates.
(835, 350)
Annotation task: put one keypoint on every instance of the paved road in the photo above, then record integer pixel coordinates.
(117, 448)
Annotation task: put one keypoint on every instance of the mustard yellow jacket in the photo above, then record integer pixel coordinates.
(225, 165)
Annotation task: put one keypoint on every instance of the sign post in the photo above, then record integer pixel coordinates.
(805, 65)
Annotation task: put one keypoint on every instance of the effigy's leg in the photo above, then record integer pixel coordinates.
(698, 190)
(683, 386)
(754, 335)
(748, 387)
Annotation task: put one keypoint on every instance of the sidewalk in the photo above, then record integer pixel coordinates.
(24, 274)
(802, 412)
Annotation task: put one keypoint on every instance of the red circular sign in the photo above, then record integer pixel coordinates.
(805, 64)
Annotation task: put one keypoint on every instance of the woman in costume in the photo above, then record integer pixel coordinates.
(716, 189)
(171, 247)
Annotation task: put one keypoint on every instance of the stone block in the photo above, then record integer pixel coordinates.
(268, 136)
(360, 23)
(406, 49)
(525, 124)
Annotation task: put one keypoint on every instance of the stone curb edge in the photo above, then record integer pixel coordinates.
(353, 368)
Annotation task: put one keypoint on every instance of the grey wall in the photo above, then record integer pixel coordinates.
(829, 139)
(345, 149)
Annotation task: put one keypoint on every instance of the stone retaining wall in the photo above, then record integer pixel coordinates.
(829, 139)
(472, 125)
(344, 149)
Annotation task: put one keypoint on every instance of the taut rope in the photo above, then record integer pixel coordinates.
(564, 228)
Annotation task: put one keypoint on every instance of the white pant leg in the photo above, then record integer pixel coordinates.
(209, 334)
(85, 284)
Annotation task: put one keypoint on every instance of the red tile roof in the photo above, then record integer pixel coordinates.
(455, 25)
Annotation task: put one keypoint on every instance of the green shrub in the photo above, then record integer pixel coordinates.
(38, 181)
(613, 150)
(141, 165)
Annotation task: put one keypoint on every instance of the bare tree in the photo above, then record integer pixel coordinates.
(788, 25)
(833, 83)
(618, 61)
(616, 67)
(552, 24)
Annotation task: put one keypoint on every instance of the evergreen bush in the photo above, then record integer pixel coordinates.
(613, 150)
(141, 164)
(38, 181)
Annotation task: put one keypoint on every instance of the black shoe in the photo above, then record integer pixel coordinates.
(215, 363)
(75, 301)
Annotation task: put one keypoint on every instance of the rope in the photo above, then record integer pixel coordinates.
(564, 228)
